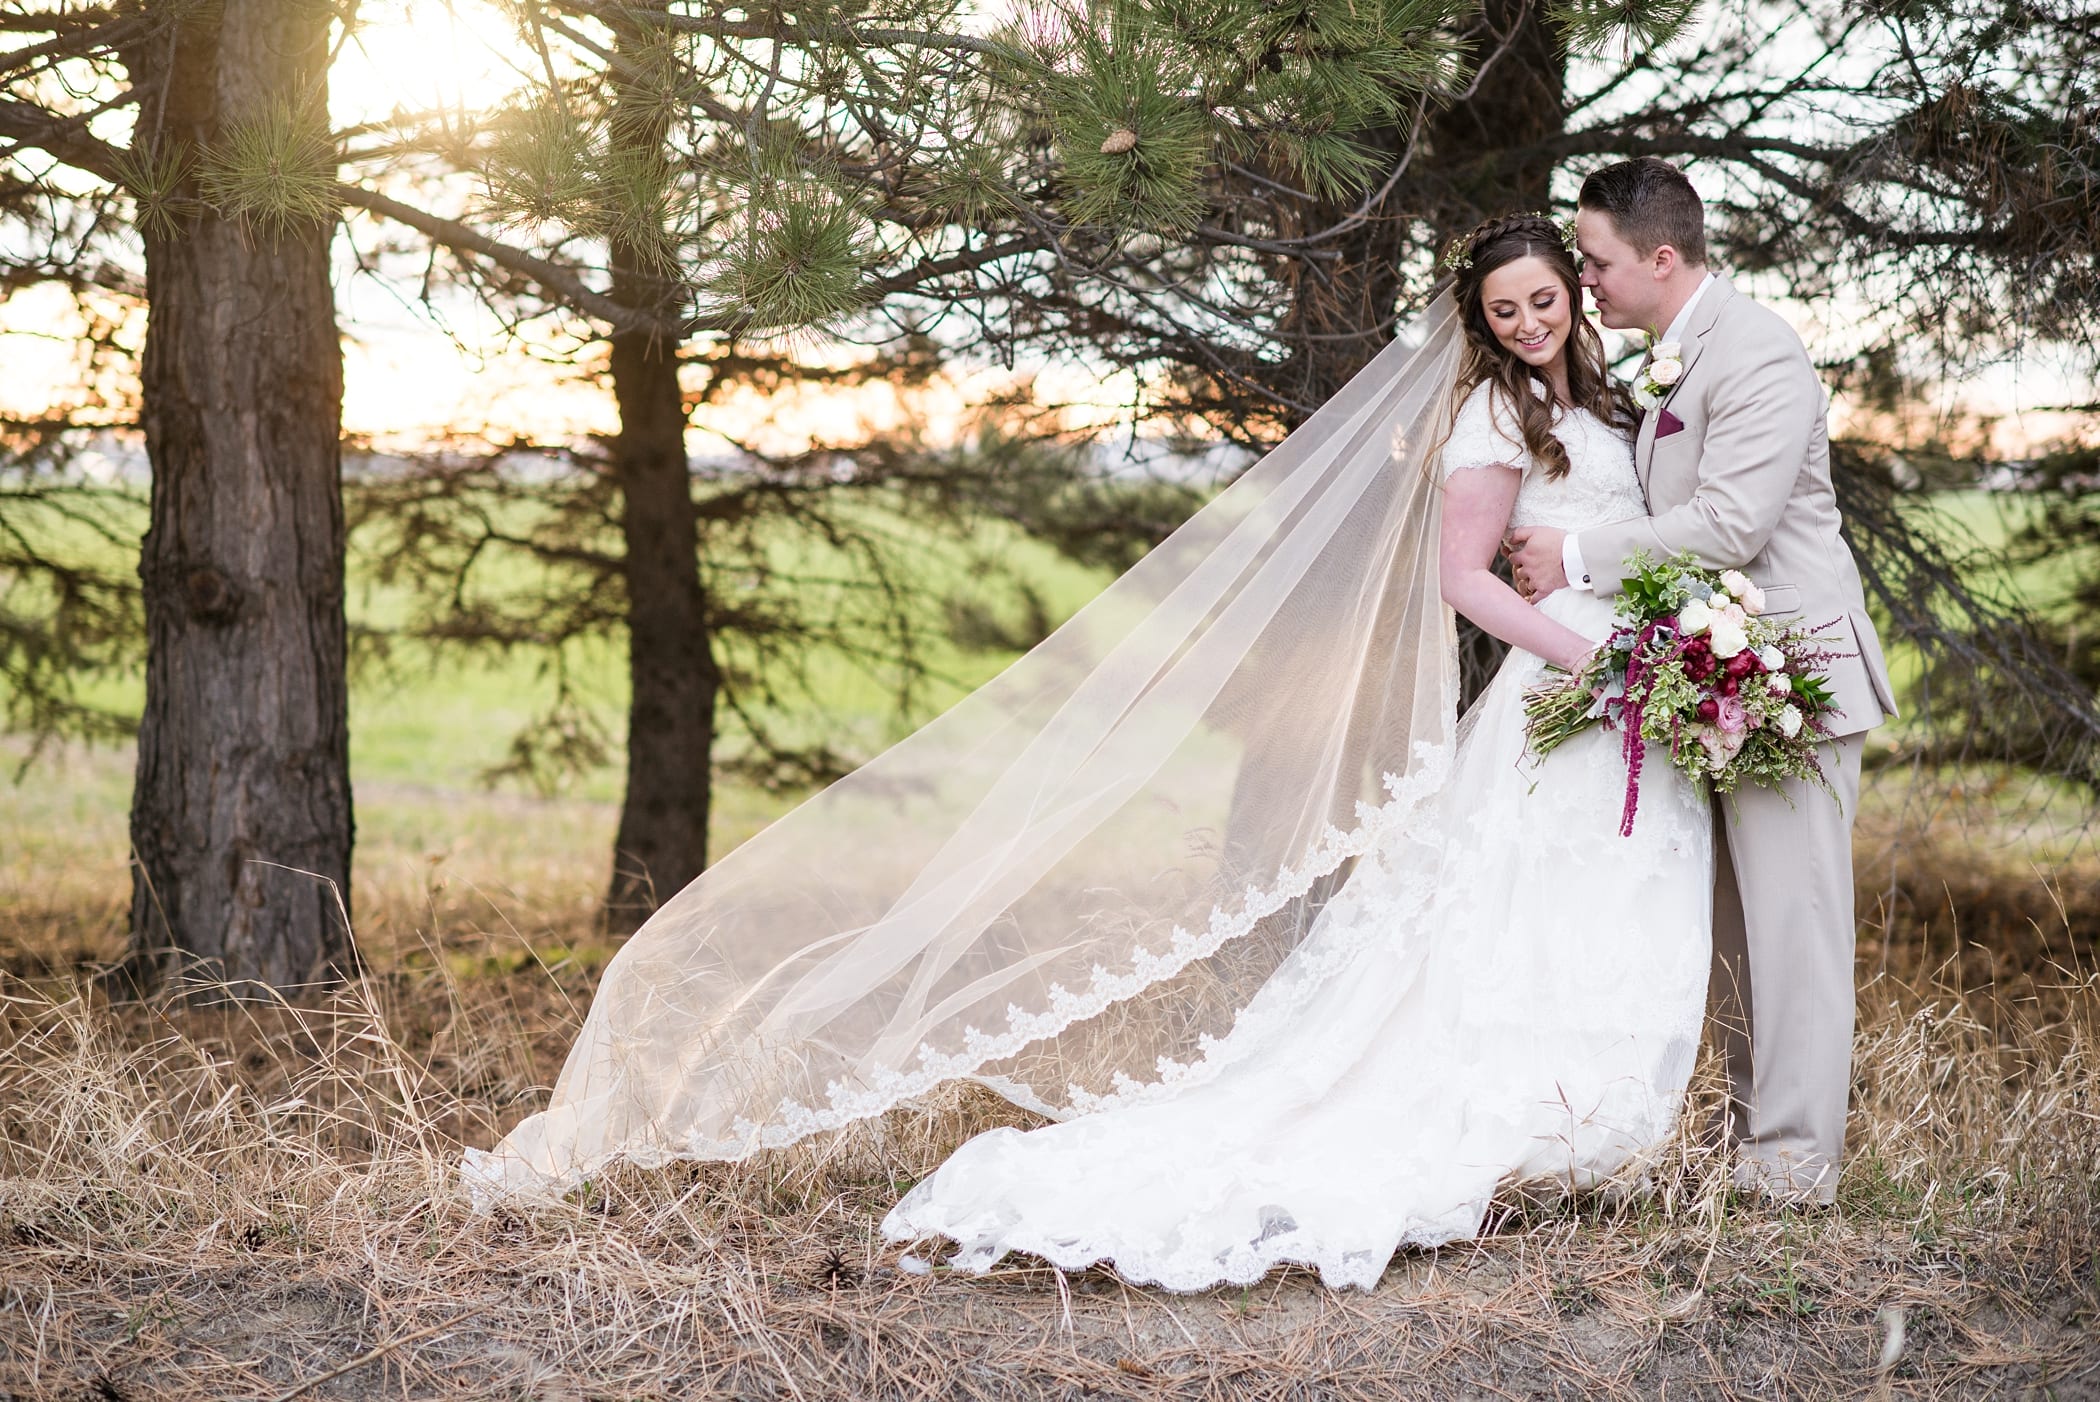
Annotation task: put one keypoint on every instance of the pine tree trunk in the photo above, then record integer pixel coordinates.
(1481, 157)
(662, 838)
(1490, 156)
(1341, 307)
(241, 820)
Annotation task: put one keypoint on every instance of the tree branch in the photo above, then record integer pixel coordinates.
(66, 138)
(78, 43)
(562, 282)
(806, 36)
(57, 21)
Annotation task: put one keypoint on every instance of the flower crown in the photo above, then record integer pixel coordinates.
(1458, 254)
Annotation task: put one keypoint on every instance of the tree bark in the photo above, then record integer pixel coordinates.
(1483, 157)
(1340, 308)
(662, 840)
(241, 820)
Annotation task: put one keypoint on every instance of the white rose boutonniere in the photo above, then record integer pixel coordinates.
(1665, 367)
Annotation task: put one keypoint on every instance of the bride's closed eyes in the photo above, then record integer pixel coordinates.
(1503, 310)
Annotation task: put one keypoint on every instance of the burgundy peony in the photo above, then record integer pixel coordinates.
(1744, 663)
(1709, 710)
(1730, 685)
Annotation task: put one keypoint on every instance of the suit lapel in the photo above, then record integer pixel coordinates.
(1644, 446)
(1704, 317)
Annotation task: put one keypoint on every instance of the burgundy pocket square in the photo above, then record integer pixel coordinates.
(1667, 424)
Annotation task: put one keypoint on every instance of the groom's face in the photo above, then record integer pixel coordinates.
(1624, 286)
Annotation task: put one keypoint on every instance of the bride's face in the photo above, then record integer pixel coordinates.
(1529, 309)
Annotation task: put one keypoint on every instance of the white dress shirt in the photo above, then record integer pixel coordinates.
(1570, 556)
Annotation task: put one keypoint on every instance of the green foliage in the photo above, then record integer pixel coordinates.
(794, 259)
(777, 163)
(1651, 588)
(831, 579)
(541, 165)
(71, 619)
(636, 200)
(1596, 26)
(970, 185)
(157, 176)
(1109, 74)
(273, 170)
(1195, 83)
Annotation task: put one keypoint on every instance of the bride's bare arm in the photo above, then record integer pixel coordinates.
(1477, 503)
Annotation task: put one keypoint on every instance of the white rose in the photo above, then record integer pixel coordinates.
(1728, 637)
(1772, 658)
(1669, 350)
(1735, 582)
(1790, 721)
(1753, 599)
(1666, 372)
(1781, 686)
(1644, 396)
(1694, 617)
(1734, 613)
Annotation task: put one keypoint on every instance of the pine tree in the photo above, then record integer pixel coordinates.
(1938, 162)
(1230, 199)
(241, 825)
(735, 172)
(807, 168)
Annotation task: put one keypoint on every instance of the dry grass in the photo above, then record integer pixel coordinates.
(257, 1202)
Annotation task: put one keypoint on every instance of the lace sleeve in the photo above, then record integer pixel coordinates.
(1484, 434)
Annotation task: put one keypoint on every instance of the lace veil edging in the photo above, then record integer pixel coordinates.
(1102, 855)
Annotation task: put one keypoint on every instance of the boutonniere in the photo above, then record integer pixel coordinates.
(1665, 367)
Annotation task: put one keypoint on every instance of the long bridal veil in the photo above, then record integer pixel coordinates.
(1069, 885)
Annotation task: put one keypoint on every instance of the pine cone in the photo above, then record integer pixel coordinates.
(1120, 140)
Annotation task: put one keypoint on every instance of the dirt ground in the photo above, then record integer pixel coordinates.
(1785, 1308)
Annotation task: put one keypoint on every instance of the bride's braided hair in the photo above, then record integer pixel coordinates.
(1495, 244)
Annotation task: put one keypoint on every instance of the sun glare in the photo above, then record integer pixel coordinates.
(413, 56)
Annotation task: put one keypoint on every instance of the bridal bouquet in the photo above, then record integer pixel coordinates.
(1694, 668)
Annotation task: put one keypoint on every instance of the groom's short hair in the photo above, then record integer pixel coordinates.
(1650, 204)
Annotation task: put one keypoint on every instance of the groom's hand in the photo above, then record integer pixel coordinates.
(1535, 557)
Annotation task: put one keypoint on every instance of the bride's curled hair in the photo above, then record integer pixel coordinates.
(1517, 387)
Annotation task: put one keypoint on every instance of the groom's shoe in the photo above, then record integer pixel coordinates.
(1786, 1181)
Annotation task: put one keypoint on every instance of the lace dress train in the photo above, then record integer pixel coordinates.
(1505, 990)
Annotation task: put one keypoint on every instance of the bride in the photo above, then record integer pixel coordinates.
(1116, 885)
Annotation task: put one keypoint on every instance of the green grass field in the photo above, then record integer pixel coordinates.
(428, 726)
(434, 835)
(440, 720)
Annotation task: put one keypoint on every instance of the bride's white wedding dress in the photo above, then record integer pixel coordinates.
(1504, 990)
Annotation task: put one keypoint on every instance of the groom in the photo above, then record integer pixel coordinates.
(1735, 462)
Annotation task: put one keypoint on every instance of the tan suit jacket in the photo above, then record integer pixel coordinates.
(1745, 484)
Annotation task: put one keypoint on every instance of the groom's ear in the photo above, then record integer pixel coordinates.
(1664, 260)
